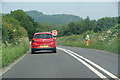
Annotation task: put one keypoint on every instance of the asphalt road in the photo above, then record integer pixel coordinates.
(65, 64)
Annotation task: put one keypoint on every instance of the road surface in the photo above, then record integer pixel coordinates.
(68, 62)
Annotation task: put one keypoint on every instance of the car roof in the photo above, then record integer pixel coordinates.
(42, 33)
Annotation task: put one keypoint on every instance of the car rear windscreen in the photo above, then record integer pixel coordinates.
(43, 36)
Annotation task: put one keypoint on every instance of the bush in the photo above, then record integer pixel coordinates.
(12, 32)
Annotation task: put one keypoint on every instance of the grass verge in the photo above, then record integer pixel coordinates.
(12, 52)
(99, 41)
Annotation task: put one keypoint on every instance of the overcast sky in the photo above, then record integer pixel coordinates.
(94, 10)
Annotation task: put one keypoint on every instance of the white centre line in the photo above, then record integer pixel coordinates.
(89, 66)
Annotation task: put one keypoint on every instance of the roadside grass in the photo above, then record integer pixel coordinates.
(12, 52)
(99, 41)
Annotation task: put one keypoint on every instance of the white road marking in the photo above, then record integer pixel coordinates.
(96, 65)
(90, 67)
(87, 65)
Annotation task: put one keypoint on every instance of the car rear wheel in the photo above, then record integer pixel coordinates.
(32, 51)
(54, 50)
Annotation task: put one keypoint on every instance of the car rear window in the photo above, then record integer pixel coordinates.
(45, 36)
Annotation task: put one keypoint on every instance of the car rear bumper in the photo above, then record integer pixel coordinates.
(36, 49)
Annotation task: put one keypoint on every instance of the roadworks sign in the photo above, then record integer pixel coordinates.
(54, 32)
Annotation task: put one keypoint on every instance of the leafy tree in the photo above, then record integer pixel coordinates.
(25, 21)
(105, 23)
(79, 27)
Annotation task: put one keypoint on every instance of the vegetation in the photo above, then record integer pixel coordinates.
(14, 39)
(12, 32)
(104, 34)
(25, 21)
(106, 40)
(12, 52)
(79, 27)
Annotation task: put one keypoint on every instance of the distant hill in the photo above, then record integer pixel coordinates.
(54, 19)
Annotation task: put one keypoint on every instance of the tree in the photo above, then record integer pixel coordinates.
(25, 21)
(105, 23)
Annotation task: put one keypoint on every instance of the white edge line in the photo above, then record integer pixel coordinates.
(86, 64)
(94, 64)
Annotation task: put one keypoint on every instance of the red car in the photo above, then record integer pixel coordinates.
(43, 41)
